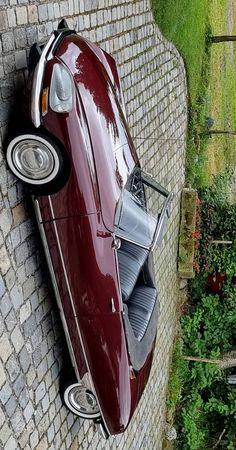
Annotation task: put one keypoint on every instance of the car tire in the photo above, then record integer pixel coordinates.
(81, 401)
(37, 160)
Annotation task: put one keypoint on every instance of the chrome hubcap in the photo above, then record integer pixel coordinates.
(33, 159)
(83, 400)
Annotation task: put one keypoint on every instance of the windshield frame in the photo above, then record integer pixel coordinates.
(163, 215)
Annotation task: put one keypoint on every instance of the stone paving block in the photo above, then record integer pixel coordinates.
(11, 17)
(20, 40)
(5, 433)
(8, 43)
(28, 411)
(3, 20)
(20, 59)
(21, 15)
(5, 393)
(5, 305)
(17, 339)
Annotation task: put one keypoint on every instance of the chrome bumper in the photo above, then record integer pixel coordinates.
(46, 55)
(38, 82)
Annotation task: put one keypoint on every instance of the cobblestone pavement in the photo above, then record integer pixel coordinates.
(32, 347)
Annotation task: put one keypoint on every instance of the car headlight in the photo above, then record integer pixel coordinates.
(61, 89)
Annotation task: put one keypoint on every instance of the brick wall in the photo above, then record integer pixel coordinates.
(32, 347)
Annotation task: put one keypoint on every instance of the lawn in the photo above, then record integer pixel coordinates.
(211, 74)
(184, 23)
(222, 88)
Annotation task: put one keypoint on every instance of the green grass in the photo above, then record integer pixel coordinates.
(211, 74)
(222, 89)
(177, 377)
(184, 23)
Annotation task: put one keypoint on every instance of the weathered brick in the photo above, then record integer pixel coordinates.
(2, 375)
(19, 214)
(56, 10)
(5, 348)
(25, 312)
(20, 38)
(17, 339)
(5, 305)
(5, 433)
(3, 20)
(50, 11)
(64, 8)
(20, 59)
(10, 406)
(2, 287)
(21, 253)
(11, 18)
(34, 438)
(8, 41)
(28, 411)
(31, 35)
(32, 13)
(40, 392)
(21, 15)
(17, 422)
(16, 296)
(5, 393)
(5, 262)
(43, 13)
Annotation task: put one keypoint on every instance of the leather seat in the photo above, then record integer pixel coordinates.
(131, 259)
(140, 308)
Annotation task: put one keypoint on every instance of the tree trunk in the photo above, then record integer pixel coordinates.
(226, 361)
(206, 360)
(222, 242)
(218, 39)
(211, 132)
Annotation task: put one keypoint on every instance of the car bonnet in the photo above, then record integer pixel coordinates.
(113, 149)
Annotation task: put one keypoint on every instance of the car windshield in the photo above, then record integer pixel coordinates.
(139, 209)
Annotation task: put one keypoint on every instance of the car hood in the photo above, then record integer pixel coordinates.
(113, 149)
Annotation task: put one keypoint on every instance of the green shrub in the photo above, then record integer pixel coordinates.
(208, 402)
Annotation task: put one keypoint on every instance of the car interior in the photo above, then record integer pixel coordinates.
(139, 297)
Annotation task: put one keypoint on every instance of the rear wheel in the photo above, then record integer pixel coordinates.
(81, 401)
(38, 161)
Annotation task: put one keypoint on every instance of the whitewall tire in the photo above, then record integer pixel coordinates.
(81, 401)
(33, 159)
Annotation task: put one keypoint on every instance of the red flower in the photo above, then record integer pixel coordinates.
(195, 234)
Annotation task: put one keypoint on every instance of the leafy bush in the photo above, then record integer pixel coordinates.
(217, 218)
(207, 411)
(209, 403)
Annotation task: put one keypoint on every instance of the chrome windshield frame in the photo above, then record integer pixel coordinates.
(165, 211)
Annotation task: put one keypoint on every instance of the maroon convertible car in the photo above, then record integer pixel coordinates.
(99, 216)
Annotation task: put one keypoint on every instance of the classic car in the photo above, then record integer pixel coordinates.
(100, 216)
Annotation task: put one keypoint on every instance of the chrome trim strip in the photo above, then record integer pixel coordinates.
(164, 211)
(101, 430)
(37, 83)
(72, 305)
(117, 234)
(54, 283)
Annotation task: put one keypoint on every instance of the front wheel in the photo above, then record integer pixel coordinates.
(81, 401)
(37, 160)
